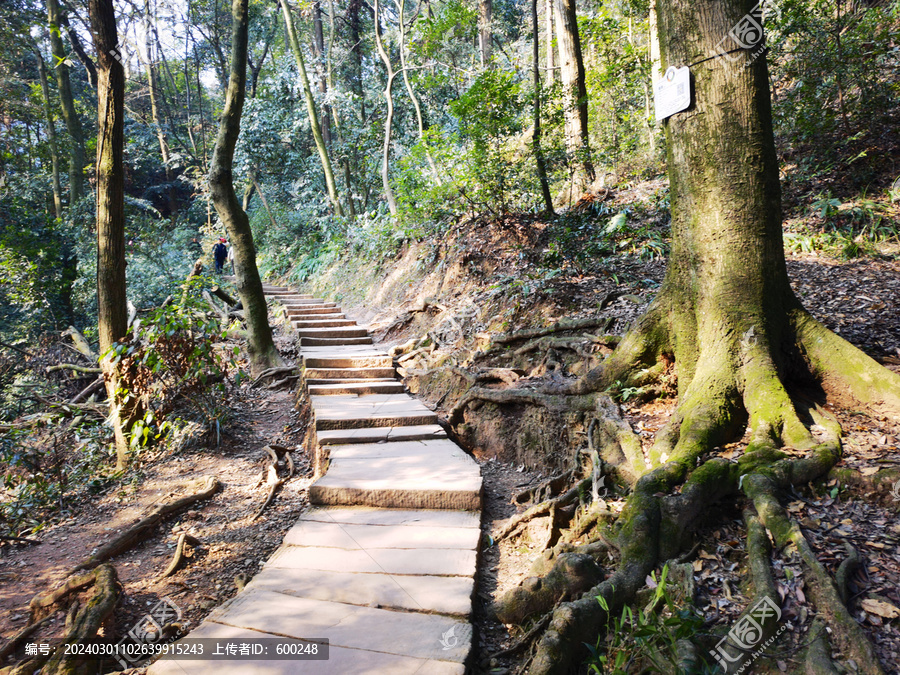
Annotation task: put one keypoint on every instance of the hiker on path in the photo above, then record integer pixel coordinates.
(231, 257)
(220, 252)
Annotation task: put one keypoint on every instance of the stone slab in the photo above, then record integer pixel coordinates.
(403, 633)
(349, 331)
(322, 323)
(357, 388)
(346, 373)
(380, 434)
(408, 452)
(359, 359)
(364, 515)
(332, 342)
(444, 595)
(451, 562)
(354, 536)
(341, 661)
(377, 410)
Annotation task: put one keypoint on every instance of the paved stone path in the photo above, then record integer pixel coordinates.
(383, 565)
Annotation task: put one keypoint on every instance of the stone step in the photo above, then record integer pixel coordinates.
(325, 357)
(322, 323)
(295, 296)
(338, 332)
(358, 388)
(347, 380)
(310, 304)
(433, 474)
(334, 342)
(354, 374)
(378, 410)
(422, 432)
(295, 312)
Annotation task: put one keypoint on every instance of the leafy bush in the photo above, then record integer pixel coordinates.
(172, 365)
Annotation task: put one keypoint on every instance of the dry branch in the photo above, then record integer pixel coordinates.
(223, 296)
(75, 367)
(142, 528)
(89, 390)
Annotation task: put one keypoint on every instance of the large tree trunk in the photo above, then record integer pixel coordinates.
(261, 348)
(51, 135)
(311, 110)
(70, 115)
(112, 311)
(485, 9)
(575, 97)
(727, 318)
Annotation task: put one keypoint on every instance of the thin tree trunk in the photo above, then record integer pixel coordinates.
(112, 311)
(412, 96)
(152, 86)
(551, 51)
(485, 9)
(261, 348)
(70, 115)
(356, 38)
(536, 137)
(319, 43)
(389, 119)
(51, 134)
(311, 109)
(77, 47)
(574, 92)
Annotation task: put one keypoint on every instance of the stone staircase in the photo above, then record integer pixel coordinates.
(383, 564)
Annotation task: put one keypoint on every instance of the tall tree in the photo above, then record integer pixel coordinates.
(739, 339)
(261, 348)
(536, 136)
(314, 124)
(67, 101)
(112, 311)
(51, 135)
(319, 53)
(389, 117)
(575, 98)
(485, 10)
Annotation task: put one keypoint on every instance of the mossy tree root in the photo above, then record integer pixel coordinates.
(651, 529)
(762, 489)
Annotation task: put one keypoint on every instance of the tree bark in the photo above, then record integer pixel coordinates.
(51, 135)
(67, 101)
(311, 110)
(112, 312)
(536, 136)
(261, 348)
(485, 9)
(575, 97)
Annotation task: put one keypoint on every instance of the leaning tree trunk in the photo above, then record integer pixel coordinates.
(311, 110)
(575, 97)
(727, 319)
(67, 101)
(112, 311)
(261, 348)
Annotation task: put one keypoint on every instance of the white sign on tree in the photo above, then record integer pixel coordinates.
(673, 92)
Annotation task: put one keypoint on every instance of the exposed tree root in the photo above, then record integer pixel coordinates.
(12, 644)
(571, 575)
(499, 343)
(178, 558)
(542, 509)
(82, 623)
(128, 538)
